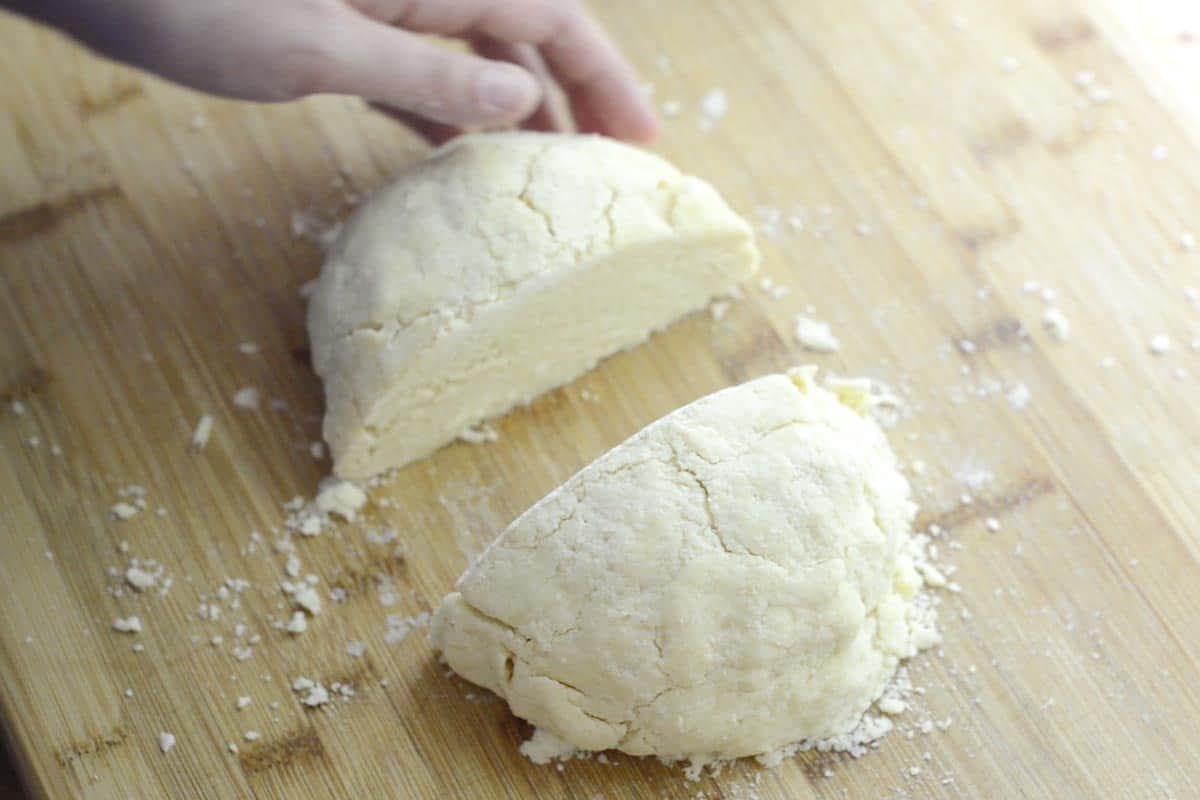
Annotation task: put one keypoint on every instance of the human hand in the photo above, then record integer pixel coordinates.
(275, 50)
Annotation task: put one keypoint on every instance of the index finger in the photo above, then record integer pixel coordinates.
(601, 84)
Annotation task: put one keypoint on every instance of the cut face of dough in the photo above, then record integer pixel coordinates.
(734, 578)
(503, 266)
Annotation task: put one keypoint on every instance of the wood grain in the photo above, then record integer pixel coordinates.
(936, 157)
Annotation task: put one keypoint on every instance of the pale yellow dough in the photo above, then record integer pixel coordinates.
(502, 266)
(735, 578)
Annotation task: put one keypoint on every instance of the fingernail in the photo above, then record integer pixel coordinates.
(507, 90)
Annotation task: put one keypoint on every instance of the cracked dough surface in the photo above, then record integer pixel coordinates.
(498, 268)
(734, 578)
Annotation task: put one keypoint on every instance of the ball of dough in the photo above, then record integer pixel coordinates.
(734, 578)
(498, 268)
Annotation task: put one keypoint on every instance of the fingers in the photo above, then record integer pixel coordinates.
(404, 72)
(602, 86)
(552, 113)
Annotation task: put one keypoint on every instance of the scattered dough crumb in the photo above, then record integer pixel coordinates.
(339, 497)
(246, 398)
(141, 579)
(479, 434)
(127, 624)
(304, 596)
(202, 433)
(166, 741)
(1056, 323)
(815, 335)
(715, 104)
(1019, 396)
(312, 694)
(398, 627)
(1160, 344)
(124, 510)
(298, 623)
(544, 747)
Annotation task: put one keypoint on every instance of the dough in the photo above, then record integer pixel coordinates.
(502, 266)
(735, 578)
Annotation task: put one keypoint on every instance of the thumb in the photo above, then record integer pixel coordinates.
(398, 69)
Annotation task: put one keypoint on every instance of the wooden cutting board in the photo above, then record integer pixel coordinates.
(913, 168)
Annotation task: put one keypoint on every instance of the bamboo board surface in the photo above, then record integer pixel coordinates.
(936, 156)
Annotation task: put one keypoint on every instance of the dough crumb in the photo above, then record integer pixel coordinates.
(479, 434)
(203, 432)
(312, 694)
(715, 104)
(246, 398)
(815, 335)
(141, 579)
(123, 510)
(1056, 323)
(544, 747)
(166, 741)
(399, 627)
(298, 623)
(304, 596)
(341, 498)
(1019, 396)
(127, 624)
(1160, 345)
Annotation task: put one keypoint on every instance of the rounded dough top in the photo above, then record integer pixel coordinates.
(487, 212)
(734, 578)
